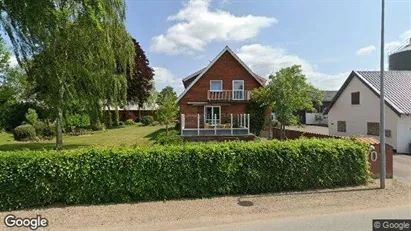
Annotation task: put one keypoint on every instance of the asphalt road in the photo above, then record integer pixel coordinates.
(402, 168)
(358, 220)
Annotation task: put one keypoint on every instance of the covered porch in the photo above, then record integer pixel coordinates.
(215, 124)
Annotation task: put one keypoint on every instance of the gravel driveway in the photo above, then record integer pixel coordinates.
(180, 214)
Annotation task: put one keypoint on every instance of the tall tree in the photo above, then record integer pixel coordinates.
(140, 82)
(168, 110)
(287, 93)
(76, 48)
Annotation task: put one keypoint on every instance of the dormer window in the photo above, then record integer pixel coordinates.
(216, 85)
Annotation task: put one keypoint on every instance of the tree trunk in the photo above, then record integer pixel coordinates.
(139, 113)
(59, 130)
(59, 125)
(166, 128)
(116, 116)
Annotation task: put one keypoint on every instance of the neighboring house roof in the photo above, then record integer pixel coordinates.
(397, 88)
(329, 95)
(193, 78)
(189, 79)
(134, 107)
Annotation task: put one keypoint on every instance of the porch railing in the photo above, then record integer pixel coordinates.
(224, 124)
(228, 95)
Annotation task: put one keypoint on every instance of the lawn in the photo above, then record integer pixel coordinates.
(129, 135)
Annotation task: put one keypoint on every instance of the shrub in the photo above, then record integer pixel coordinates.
(43, 131)
(49, 132)
(147, 120)
(171, 137)
(78, 121)
(129, 122)
(257, 116)
(39, 126)
(192, 170)
(24, 133)
(155, 123)
(31, 116)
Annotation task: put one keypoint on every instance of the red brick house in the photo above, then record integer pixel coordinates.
(215, 98)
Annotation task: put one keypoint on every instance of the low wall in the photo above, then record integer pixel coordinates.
(218, 138)
(374, 159)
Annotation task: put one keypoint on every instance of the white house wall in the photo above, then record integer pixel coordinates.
(357, 116)
(403, 134)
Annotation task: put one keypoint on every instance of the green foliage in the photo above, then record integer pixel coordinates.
(287, 93)
(155, 123)
(168, 110)
(170, 138)
(147, 120)
(31, 116)
(49, 132)
(193, 170)
(24, 132)
(39, 126)
(257, 111)
(129, 122)
(76, 52)
(78, 121)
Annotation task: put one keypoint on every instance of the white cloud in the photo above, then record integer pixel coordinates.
(267, 60)
(163, 77)
(392, 46)
(196, 26)
(366, 50)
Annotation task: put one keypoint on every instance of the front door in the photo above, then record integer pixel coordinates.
(212, 115)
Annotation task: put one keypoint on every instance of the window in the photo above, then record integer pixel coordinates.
(373, 129)
(341, 126)
(212, 115)
(355, 98)
(216, 85)
(238, 89)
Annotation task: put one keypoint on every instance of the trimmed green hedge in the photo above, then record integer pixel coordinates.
(39, 178)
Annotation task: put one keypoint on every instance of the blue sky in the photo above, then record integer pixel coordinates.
(329, 38)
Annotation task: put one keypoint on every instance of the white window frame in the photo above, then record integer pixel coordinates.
(233, 96)
(218, 121)
(221, 81)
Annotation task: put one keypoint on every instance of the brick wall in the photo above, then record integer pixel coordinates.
(374, 164)
(226, 68)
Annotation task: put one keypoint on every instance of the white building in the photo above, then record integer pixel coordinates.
(355, 109)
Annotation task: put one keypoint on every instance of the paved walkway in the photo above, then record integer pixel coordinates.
(310, 128)
(358, 220)
(402, 167)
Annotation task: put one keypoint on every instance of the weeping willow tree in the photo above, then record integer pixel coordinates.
(73, 50)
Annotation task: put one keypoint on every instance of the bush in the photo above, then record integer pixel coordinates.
(39, 126)
(155, 123)
(78, 121)
(24, 133)
(129, 122)
(43, 131)
(31, 116)
(147, 120)
(194, 170)
(257, 116)
(49, 132)
(166, 139)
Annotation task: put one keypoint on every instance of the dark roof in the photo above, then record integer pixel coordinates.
(329, 95)
(397, 88)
